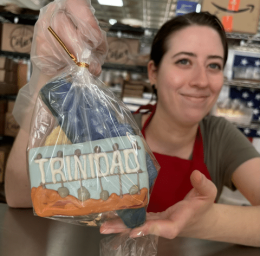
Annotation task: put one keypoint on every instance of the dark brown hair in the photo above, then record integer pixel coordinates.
(159, 45)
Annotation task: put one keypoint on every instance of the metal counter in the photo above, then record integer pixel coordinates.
(23, 234)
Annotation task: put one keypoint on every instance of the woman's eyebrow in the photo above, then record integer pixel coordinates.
(186, 53)
(194, 55)
(215, 57)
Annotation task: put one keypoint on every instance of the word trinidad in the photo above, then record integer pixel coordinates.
(93, 159)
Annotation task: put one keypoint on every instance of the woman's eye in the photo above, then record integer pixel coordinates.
(215, 66)
(183, 62)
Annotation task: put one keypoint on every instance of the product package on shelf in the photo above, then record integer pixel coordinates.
(87, 160)
(184, 7)
(123, 51)
(246, 68)
(240, 16)
(16, 37)
(233, 110)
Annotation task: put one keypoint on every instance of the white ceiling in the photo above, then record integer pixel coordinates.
(150, 13)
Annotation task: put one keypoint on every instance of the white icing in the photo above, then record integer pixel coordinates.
(57, 171)
(97, 162)
(93, 159)
(91, 163)
(117, 155)
(78, 165)
(41, 166)
(68, 165)
(127, 152)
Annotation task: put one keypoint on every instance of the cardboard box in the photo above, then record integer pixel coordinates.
(8, 64)
(3, 108)
(22, 75)
(4, 152)
(11, 126)
(2, 166)
(8, 88)
(122, 51)
(8, 76)
(10, 106)
(236, 15)
(16, 38)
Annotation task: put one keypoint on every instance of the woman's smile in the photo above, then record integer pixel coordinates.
(195, 98)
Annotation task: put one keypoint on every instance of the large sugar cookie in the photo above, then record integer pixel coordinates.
(90, 177)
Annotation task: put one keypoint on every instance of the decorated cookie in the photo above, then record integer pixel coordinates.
(91, 177)
(94, 160)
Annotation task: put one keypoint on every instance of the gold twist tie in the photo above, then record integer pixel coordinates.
(80, 64)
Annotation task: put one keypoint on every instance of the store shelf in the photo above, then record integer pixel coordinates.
(120, 67)
(243, 83)
(27, 19)
(246, 37)
(8, 97)
(15, 55)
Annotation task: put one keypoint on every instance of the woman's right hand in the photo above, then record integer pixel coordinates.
(74, 22)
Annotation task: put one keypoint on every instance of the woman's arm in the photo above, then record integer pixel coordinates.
(17, 186)
(77, 19)
(199, 217)
(247, 180)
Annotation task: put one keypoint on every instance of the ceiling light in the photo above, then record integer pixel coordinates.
(112, 21)
(132, 22)
(111, 2)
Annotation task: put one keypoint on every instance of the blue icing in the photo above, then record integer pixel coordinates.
(109, 183)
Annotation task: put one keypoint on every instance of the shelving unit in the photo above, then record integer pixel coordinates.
(243, 84)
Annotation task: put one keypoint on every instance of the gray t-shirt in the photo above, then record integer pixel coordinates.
(225, 149)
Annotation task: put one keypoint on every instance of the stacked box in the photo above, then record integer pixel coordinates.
(3, 108)
(8, 76)
(4, 152)
(16, 38)
(236, 15)
(11, 126)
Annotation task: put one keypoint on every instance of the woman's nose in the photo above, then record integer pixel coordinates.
(200, 78)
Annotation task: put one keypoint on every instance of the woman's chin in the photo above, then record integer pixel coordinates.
(192, 118)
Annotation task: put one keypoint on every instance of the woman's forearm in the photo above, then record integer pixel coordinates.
(17, 186)
(228, 223)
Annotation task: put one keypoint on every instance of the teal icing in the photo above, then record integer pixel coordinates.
(109, 183)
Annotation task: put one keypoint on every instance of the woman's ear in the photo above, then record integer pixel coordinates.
(152, 72)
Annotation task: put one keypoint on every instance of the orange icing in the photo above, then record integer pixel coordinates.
(48, 202)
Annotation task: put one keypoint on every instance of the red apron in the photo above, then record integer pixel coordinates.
(173, 182)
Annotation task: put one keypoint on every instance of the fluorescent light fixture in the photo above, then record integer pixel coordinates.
(112, 21)
(198, 7)
(111, 2)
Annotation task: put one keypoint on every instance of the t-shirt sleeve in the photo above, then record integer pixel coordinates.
(233, 149)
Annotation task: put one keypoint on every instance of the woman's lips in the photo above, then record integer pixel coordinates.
(195, 98)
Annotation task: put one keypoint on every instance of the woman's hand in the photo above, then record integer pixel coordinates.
(74, 22)
(182, 219)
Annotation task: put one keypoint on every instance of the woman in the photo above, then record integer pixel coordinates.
(174, 136)
(187, 60)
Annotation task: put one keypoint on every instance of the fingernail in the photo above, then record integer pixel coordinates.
(136, 234)
(107, 231)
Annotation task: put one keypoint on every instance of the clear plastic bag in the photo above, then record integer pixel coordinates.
(123, 245)
(87, 160)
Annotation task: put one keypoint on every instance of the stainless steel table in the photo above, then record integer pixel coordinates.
(23, 234)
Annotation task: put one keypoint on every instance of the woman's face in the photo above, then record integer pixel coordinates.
(190, 75)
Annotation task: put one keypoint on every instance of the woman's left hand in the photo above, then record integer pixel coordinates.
(181, 219)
